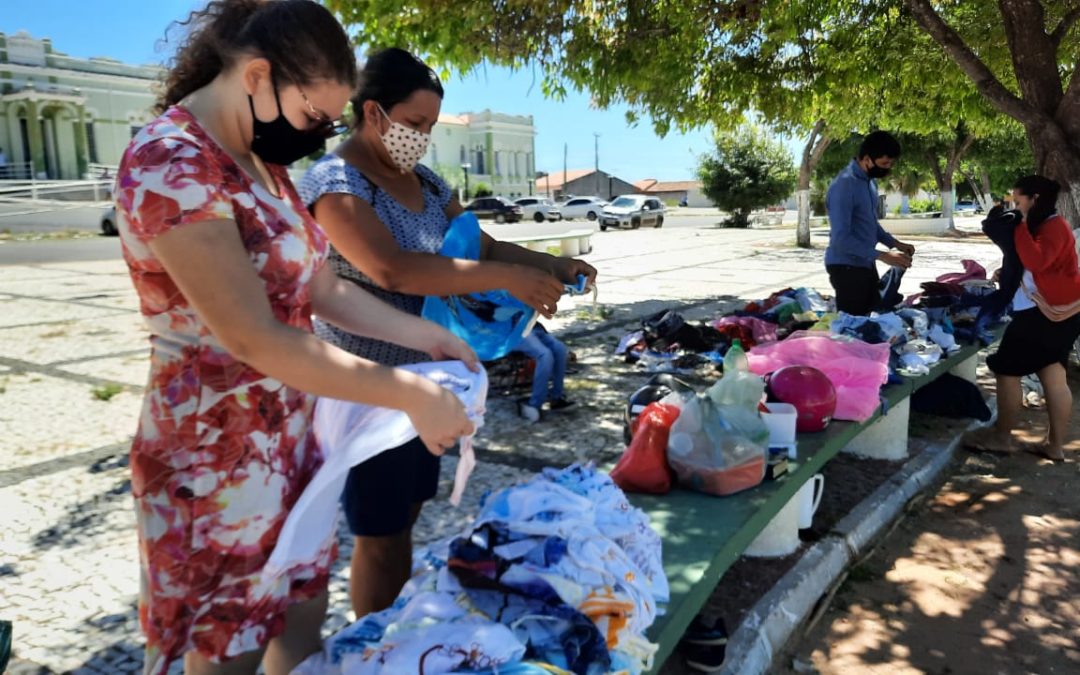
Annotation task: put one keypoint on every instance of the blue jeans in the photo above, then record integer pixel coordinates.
(550, 357)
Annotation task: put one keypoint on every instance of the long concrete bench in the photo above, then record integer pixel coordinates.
(571, 243)
(704, 535)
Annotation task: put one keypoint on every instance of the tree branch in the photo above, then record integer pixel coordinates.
(985, 81)
(1063, 27)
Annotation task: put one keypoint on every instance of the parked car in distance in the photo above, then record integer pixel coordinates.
(632, 211)
(499, 209)
(966, 206)
(538, 209)
(108, 222)
(583, 207)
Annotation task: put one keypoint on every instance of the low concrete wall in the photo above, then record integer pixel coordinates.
(915, 225)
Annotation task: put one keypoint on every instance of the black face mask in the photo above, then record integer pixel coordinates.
(876, 171)
(279, 142)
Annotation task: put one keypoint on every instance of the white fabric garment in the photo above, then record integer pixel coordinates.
(352, 433)
(1022, 300)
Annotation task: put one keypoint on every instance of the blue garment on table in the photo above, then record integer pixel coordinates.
(854, 230)
(873, 329)
(493, 323)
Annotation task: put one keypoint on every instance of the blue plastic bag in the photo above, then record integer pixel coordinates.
(493, 323)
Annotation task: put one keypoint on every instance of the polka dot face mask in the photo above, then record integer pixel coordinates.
(404, 145)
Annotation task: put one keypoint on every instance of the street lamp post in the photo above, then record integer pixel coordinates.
(465, 168)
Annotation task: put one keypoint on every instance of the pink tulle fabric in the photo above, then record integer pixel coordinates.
(855, 368)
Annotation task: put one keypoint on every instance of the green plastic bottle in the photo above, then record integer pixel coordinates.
(735, 358)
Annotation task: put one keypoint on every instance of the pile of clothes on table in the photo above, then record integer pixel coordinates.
(801, 327)
(667, 342)
(558, 574)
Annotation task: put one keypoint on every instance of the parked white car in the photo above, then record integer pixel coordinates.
(632, 211)
(582, 207)
(538, 209)
(966, 206)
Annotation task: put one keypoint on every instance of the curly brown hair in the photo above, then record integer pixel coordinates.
(301, 39)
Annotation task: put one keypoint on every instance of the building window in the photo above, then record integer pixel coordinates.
(135, 130)
(434, 154)
(464, 155)
(479, 164)
(91, 143)
(498, 167)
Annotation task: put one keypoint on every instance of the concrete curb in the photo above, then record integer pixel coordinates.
(771, 623)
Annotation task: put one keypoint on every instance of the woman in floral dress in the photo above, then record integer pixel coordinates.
(229, 268)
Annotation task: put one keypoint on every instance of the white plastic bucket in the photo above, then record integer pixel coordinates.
(781, 420)
(781, 536)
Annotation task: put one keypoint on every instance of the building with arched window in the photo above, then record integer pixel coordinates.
(500, 150)
(59, 114)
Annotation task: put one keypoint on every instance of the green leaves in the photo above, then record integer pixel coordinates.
(747, 170)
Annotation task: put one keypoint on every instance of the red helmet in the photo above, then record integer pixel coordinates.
(809, 390)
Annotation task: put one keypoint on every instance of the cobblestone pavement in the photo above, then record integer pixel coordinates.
(73, 361)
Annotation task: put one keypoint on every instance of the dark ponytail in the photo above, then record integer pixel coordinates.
(1045, 204)
(391, 76)
(301, 39)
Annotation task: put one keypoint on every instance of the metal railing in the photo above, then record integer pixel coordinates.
(17, 171)
(49, 190)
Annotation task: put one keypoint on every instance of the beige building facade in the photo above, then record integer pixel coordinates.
(59, 115)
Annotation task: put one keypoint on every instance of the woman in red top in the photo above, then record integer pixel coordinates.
(229, 268)
(1045, 321)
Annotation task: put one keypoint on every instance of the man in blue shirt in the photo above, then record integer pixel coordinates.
(854, 230)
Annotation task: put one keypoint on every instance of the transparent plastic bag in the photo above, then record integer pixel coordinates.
(718, 444)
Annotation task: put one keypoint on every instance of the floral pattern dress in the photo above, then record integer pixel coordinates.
(222, 451)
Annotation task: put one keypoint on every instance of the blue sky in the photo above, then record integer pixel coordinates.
(129, 30)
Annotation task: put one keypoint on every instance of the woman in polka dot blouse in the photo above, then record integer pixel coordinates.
(386, 216)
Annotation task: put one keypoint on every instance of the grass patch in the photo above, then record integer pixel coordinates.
(106, 392)
(603, 313)
(60, 235)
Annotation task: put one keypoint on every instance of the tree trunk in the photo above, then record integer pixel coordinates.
(947, 200)
(1049, 111)
(987, 191)
(813, 150)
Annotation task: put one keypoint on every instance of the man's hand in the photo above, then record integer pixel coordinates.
(568, 269)
(905, 248)
(895, 259)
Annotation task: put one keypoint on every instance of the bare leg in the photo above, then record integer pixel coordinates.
(302, 636)
(1059, 404)
(245, 664)
(1010, 396)
(998, 437)
(380, 568)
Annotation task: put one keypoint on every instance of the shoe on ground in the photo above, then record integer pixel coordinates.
(704, 658)
(706, 633)
(529, 413)
(704, 645)
(561, 403)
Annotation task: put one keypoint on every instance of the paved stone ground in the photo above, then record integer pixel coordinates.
(73, 361)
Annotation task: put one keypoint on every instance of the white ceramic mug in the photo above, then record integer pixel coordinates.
(810, 499)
